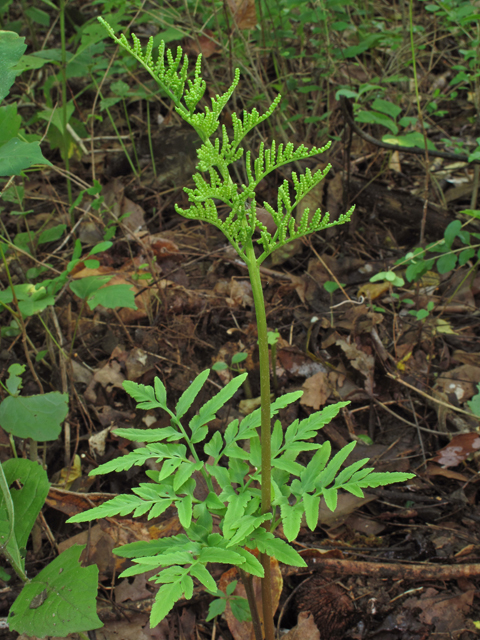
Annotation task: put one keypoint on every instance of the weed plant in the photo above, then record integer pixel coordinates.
(254, 481)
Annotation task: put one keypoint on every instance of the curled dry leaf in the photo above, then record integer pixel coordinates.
(459, 448)
(244, 13)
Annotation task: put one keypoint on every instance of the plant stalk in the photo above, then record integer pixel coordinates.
(265, 428)
(247, 580)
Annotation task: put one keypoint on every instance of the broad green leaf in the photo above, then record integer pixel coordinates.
(286, 464)
(12, 47)
(235, 513)
(214, 502)
(189, 395)
(284, 553)
(330, 496)
(38, 417)
(239, 357)
(451, 232)
(210, 408)
(37, 15)
(10, 122)
(217, 554)
(214, 447)
(291, 519)
(14, 381)
(184, 508)
(200, 572)
(348, 472)
(118, 506)
(382, 479)
(251, 564)
(64, 595)
(101, 246)
(28, 500)
(241, 610)
(277, 437)
(309, 427)
(414, 139)
(267, 543)
(140, 392)
(113, 296)
(151, 547)
(374, 117)
(334, 465)
(185, 472)
(245, 528)
(312, 506)
(446, 263)
(216, 608)
(52, 234)
(315, 467)
(386, 107)
(160, 392)
(17, 155)
(134, 458)
(86, 287)
(159, 507)
(187, 586)
(166, 597)
(147, 435)
(199, 435)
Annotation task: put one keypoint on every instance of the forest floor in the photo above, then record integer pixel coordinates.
(401, 563)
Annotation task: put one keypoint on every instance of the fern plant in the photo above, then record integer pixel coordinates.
(254, 481)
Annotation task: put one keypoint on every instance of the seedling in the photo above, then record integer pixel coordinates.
(237, 358)
(262, 486)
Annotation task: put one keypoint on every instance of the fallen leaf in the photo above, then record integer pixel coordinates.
(317, 390)
(458, 449)
(244, 13)
(305, 629)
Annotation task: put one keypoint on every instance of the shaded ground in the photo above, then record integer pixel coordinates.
(402, 563)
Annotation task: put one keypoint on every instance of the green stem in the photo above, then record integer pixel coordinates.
(265, 428)
(64, 101)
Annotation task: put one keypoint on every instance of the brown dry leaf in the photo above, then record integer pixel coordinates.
(108, 377)
(459, 448)
(71, 503)
(366, 526)
(314, 556)
(360, 360)
(244, 13)
(135, 627)
(305, 629)
(446, 614)
(204, 44)
(300, 285)
(435, 470)
(138, 363)
(244, 630)
(120, 205)
(317, 390)
(296, 363)
(240, 294)
(137, 590)
(335, 201)
(466, 358)
(346, 505)
(461, 381)
(97, 442)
